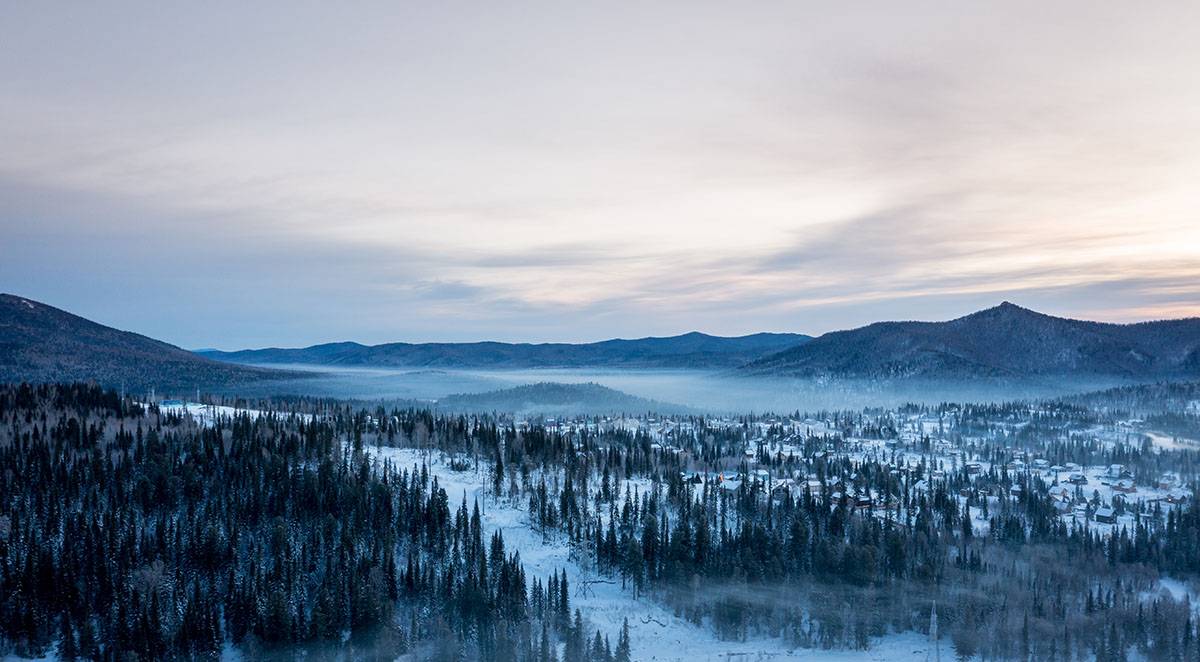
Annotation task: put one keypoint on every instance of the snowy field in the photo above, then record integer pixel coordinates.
(206, 415)
(655, 633)
(1170, 442)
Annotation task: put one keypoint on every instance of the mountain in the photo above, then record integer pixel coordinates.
(1006, 341)
(40, 343)
(555, 398)
(691, 350)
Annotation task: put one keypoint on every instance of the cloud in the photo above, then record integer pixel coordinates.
(554, 172)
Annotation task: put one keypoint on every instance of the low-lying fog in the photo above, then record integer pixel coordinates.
(702, 390)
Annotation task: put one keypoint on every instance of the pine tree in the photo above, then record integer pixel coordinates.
(1025, 637)
(598, 648)
(67, 649)
(89, 648)
(623, 653)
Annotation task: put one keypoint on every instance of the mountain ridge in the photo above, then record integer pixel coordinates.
(1004, 341)
(41, 343)
(689, 350)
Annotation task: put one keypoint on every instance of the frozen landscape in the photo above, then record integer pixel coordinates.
(542, 331)
(891, 465)
(656, 633)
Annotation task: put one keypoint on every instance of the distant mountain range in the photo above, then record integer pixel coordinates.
(1006, 341)
(40, 343)
(691, 350)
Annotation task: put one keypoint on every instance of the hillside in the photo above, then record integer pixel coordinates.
(1006, 341)
(691, 350)
(40, 343)
(555, 399)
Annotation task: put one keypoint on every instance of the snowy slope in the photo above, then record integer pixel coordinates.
(206, 415)
(655, 633)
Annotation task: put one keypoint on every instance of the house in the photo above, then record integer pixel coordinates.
(1177, 496)
(973, 468)
(1125, 486)
(1105, 515)
(1077, 479)
(1116, 471)
(1041, 464)
(781, 485)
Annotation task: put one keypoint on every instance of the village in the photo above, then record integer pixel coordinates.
(821, 456)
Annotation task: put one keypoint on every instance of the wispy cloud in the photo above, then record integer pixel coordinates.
(553, 172)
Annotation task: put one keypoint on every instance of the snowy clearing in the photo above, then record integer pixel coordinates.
(655, 632)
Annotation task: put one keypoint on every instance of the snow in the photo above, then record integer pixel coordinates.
(1172, 443)
(230, 653)
(207, 415)
(203, 414)
(1178, 590)
(51, 655)
(606, 605)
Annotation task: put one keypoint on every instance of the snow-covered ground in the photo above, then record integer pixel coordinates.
(655, 633)
(203, 414)
(206, 415)
(1178, 590)
(1171, 442)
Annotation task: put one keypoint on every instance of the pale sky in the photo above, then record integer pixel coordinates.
(251, 174)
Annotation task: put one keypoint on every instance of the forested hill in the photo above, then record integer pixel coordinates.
(167, 540)
(692, 350)
(40, 343)
(1006, 341)
(552, 398)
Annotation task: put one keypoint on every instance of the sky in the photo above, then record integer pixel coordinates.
(236, 174)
